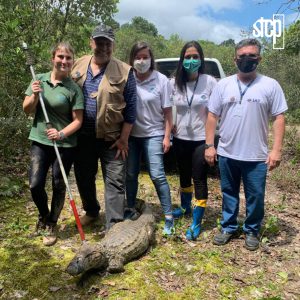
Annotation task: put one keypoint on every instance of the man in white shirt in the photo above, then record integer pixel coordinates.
(244, 102)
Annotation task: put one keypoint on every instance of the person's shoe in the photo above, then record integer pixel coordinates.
(87, 220)
(40, 227)
(222, 238)
(50, 235)
(169, 228)
(193, 232)
(131, 214)
(251, 241)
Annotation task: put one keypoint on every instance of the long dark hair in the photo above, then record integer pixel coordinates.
(136, 48)
(181, 76)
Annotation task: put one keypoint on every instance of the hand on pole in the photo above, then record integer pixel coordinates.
(53, 134)
(36, 87)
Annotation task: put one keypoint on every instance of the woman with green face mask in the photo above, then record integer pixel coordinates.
(191, 91)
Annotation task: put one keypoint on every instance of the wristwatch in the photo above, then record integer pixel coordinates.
(61, 135)
(209, 145)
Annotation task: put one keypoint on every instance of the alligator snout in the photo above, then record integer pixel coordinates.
(74, 267)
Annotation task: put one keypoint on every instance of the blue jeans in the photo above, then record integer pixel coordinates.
(253, 175)
(152, 150)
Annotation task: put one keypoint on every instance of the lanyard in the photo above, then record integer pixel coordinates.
(242, 93)
(189, 102)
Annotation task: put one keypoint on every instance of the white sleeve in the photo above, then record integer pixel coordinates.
(215, 101)
(166, 92)
(279, 104)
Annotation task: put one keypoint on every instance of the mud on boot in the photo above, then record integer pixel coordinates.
(40, 226)
(50, 234)
(185, 208)
(198, 211)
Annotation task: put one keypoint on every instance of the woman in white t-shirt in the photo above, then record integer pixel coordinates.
(150, 135)
(191, 91)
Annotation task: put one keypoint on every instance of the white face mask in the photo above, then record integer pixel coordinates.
(142, 65)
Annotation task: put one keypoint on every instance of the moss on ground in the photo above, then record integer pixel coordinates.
(172, 269)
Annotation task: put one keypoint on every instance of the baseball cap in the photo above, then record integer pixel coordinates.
(105, 31)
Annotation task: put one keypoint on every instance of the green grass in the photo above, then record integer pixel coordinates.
(172, 268)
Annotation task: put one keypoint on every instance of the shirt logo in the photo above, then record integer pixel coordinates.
(61, 98)
(254, 100)
(151, 88)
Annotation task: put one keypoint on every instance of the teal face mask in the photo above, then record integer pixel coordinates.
(191, 65)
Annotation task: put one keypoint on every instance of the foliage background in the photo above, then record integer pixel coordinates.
(42, 23)
(173, 269)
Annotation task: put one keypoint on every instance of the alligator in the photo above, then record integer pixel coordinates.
(124, 242)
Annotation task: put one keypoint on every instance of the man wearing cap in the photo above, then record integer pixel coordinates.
(245, 102)
(109, 91)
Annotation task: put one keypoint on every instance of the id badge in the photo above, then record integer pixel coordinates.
(188, 124)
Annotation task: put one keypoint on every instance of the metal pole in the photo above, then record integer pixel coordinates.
(62, 169)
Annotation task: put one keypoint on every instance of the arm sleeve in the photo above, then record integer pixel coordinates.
(215, 101)
(173, 90)
(279, 104)
(78, 101)
(213, 82)
(130, 99)
(166, 93)
(28, 92)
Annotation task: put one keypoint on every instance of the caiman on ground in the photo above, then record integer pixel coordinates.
(124, 242)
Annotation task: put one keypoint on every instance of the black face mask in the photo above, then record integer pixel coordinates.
(247, 64)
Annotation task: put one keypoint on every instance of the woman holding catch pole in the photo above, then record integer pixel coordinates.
(63, 101)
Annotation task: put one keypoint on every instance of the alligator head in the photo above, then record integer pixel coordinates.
(88, 257)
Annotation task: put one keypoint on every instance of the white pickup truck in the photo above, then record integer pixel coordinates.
(168, 67)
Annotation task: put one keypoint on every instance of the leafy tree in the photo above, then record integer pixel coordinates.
(40, 23)
(292, 39)
(139, 29)
(229, 42)
(224, 54)
(126, 37)
(283, 65)
(172, 47)
(141, 25)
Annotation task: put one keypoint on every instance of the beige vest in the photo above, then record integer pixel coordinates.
(109, 97)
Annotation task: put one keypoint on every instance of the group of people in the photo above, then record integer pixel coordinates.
(122, 112)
